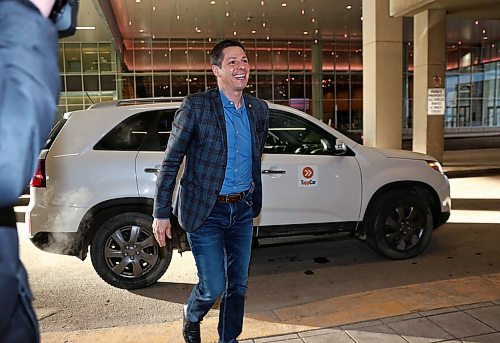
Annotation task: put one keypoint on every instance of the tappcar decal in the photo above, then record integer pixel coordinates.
(308, 176)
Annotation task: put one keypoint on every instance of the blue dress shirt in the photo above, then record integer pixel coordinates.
(238, 177)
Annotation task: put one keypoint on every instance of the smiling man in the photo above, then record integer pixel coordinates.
(221, 133)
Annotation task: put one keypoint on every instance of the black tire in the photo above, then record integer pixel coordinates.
(399, 225)
(125, 253)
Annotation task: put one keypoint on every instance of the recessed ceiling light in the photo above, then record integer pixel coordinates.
(493, 45)
(361, 18)
(459, 42)
(267, 37)
(484, 31)
(485, 37)
(129, 23)
(85, 27)
(476, 22)
(227, 14)
(212, 2)
(348, 7)
(262, 3)
(313, 20)
(234, 33)
(283, 4)
(316, 31)
(178, 17)
(137, 1)
(154, 37)
(254, 32)
(154, 8)
(345, 35)
(141, 30)
(263, 24)
(302, 12)
(305, 32)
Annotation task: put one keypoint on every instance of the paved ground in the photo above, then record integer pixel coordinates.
(310, 292)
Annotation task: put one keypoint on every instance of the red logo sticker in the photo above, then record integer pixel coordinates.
(308, 172)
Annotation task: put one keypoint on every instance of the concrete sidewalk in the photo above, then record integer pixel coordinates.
(443, 311)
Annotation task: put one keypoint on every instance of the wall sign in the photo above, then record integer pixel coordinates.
(436, 101)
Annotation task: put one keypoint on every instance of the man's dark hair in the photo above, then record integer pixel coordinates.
(216, 55)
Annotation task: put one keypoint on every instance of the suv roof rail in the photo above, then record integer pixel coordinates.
(136, 101)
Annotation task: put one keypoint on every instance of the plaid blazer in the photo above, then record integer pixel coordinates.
(199, 134)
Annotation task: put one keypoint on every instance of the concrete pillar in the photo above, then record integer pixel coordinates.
(382, 76)
(317, 81)
(430, 67)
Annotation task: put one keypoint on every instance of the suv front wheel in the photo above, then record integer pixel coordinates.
(125, 253)
(399, 225)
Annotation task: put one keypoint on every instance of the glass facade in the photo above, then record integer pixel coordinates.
(281, 72)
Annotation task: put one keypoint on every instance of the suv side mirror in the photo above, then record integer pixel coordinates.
(340, 147)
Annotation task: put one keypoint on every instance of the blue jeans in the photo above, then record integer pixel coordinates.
(17, 319)
(221, 248)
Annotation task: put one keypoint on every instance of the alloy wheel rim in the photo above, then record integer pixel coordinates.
(131, 252)
(404, 227)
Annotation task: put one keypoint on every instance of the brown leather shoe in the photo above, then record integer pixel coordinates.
(191, 331)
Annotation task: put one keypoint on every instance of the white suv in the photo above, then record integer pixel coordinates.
(96, 180)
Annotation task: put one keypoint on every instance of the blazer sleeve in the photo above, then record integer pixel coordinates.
(265, 126)
(178, 144)
(29, 89)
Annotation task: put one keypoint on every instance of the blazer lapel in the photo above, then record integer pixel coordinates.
(251, 119)
(216, 104)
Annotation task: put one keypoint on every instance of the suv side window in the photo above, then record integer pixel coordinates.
(128, 135)
(291, 135)
(159, 131)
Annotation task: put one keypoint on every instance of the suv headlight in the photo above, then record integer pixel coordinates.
(436, 166)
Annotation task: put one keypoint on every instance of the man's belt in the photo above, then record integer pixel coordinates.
(231, 198)
(7, 217)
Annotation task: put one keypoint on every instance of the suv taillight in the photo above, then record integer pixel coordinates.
(39, 179)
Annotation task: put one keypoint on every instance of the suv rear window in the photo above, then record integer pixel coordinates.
(54, 132)
(128, 135)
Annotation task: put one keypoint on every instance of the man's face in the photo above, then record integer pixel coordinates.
(234, 71)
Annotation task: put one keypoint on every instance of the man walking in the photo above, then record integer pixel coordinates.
(221, 133)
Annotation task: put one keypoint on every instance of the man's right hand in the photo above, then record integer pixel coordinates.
(162, 228)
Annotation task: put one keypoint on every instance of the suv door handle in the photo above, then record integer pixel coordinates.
(270, 171)
(152, 170)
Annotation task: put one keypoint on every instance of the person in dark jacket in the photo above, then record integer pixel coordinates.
(221, 133)
(29, 90)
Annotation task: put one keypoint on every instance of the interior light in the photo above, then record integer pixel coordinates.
(234, 33)
(137, 1)
(253, 31)
(263, 24)
(154, 8)
(348, 7)
(305, 32)
(141, 30)
(85, 27)
(283, 4)
(129, 23)
(178, 17)
(476, 23)
(303, 12)
(262, 3)
(485, 37)
(313, 20)
(212, 2)
(227, 14)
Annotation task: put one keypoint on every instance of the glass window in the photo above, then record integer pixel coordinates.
(91, 82)
(74, 83)
(89, 57)
(265, 86)
(108, 82)
(264, 57)
(179, 85)
(72, 56)
(107, 58)
(144, 86)
(128, 135)
(196, 56)
(291, 135)
(280, 55)
(159, 133)
(162, 85)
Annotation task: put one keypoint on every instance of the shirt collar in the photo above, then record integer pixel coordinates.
(228, 103)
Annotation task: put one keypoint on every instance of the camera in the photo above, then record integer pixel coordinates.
(63, 14)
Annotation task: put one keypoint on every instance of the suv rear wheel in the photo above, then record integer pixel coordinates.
(125, 253)
(399, 225)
